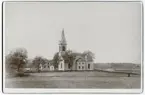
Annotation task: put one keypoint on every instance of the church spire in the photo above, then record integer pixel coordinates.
(62, 43)
(63, 40)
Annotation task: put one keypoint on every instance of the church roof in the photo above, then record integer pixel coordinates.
(63, 40)
(80, 58)
(88, 58)
(84, 58)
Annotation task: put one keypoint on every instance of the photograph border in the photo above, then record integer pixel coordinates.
(58, 91)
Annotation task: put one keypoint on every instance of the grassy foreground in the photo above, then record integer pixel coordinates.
(91, 79)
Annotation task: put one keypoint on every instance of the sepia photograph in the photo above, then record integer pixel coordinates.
(72, 47)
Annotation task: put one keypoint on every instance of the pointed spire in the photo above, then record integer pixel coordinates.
(63, 40)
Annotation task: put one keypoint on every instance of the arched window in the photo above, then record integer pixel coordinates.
(88, 66)
(63, 48)
(79, 67)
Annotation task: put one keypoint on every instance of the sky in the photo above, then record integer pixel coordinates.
(111, 30)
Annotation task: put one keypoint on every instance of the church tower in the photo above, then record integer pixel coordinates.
(62, 49)
(62, 42)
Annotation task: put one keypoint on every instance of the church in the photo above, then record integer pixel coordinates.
(80, 62)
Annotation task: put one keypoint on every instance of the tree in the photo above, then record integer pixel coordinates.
(38, 62)
(46, 61)
(29, 64)
(16, 60)
(89, 54)
(55, 60)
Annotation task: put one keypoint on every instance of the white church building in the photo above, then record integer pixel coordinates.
(80, 62)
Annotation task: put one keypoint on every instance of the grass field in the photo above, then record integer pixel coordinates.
(92, 79)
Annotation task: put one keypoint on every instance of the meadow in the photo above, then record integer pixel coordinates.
(84, 79)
